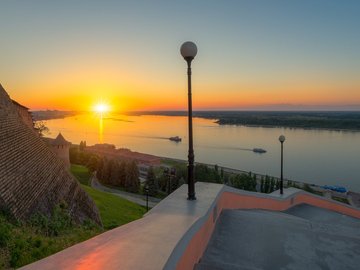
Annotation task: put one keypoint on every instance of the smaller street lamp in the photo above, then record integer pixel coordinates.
(282, 140)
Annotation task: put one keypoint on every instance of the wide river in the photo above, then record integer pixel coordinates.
(312, 156)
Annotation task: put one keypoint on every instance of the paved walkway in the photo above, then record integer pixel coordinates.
(136, 198)
(302, 237)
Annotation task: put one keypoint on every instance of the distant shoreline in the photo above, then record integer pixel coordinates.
(52, 114)
(348, 121)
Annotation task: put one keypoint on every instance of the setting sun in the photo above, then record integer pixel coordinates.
(101, 108)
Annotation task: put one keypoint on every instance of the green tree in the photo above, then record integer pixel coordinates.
(100, 169)
(114, 173)
(267, 184)
(254, 182)
(226, 178)
(262, 185)
(74, 155)
(272, 184)
(81, 146)
(151, 182)
(244, 181)
(122, 173)
(174, 182)
(132, 178)
(105, 176)
(163, 182)
(203, 173)
(41, 128)
(277, 185)
(92, 164)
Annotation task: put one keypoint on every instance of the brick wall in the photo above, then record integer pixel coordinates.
(32, 177)
(62, 151)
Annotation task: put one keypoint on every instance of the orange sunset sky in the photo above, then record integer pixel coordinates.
(252, 55)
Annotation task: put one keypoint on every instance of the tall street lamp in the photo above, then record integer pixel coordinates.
(282, 140)
(189, 50)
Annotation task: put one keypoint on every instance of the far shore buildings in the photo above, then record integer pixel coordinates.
(110, 151)
(143, 161)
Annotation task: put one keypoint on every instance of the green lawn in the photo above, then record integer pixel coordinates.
(81, 173)
(114, 211)
(22, 243)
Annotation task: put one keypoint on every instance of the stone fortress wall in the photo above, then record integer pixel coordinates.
(62, 151)
(24, 114)
(32, 178)
(60, 147)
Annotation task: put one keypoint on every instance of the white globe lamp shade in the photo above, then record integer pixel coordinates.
(282, 138)
(188, 50)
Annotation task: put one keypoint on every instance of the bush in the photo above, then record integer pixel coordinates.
(59, 221)
(243, 181)
(5, 234)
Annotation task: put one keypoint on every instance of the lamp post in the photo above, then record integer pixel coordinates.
(189, 50)
(282, 140)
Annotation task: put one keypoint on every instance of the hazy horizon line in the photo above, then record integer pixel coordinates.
(209, 110)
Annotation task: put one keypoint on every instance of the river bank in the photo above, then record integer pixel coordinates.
(310, 156)
(349, 197)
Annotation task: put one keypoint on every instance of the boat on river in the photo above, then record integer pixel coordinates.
(175, 139)
(259, 150)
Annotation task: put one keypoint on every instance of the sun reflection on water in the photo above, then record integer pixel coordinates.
(101, 129)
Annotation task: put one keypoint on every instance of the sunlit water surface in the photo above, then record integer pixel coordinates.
(313, 156)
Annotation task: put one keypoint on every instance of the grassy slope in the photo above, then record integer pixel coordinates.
(22, 243)
(81, 173)
(114, 211)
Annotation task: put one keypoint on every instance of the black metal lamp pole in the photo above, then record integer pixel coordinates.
(188, 51)
(282, 139)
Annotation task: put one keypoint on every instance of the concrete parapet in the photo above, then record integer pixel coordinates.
(175, 233)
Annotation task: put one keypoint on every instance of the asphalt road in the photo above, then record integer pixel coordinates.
(136, 198)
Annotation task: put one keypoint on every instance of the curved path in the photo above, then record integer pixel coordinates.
(136, 198)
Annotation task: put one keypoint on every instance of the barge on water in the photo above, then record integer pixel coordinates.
(259, 150)
(175, 139)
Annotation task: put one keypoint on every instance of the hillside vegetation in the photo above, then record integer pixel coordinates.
(24, 242)
(114, 210)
